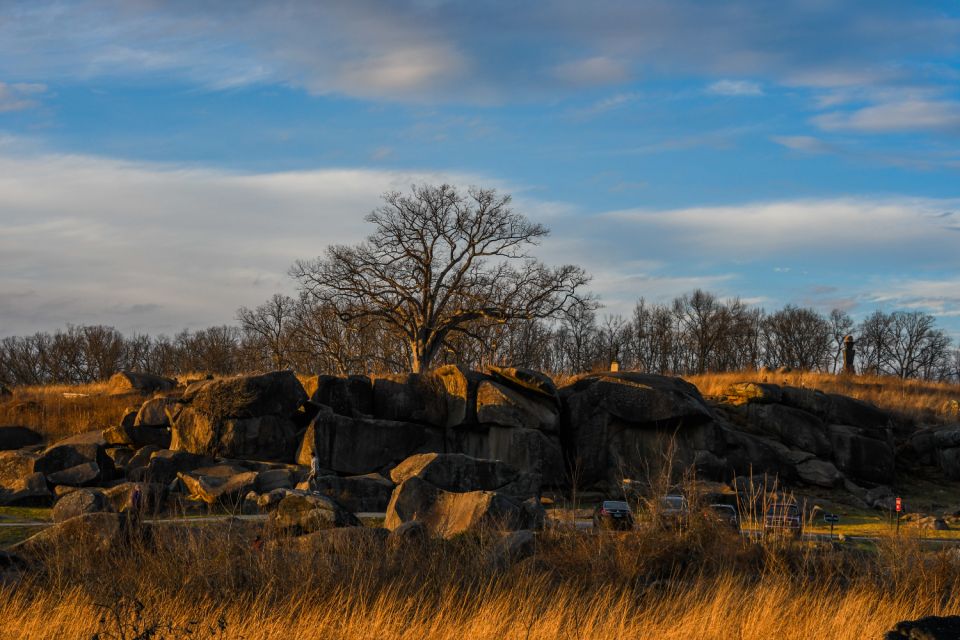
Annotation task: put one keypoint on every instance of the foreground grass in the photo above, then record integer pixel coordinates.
(528, 607)
(702, 583)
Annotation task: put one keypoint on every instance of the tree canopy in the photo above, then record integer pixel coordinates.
(442, 262)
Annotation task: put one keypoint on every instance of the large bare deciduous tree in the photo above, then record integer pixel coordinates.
(442, 264)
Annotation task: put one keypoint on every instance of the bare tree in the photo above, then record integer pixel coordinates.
(270, 323)
(439, 264)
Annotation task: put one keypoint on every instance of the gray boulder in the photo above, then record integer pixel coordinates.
(29, 491)
(820, 473)
(136, 382)
(15, 465)
(502, 405)
(100, 532)
(164, 465)
(65, 455)
(81, 502)
(456, 472)
(351, 396)
(224, 490)
(300, 513)
(370, 492)
(794, 427)
(81, 475)
(240, 417)
(153, 412)
(860, 456)
(616, 422)
(360, 445)
(447, 514)
(138, 436)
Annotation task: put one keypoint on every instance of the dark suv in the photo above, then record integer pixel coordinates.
(783, 518)
(613, 514)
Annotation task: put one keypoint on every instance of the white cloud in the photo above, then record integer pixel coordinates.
(851, 226)
(735, 88)
(157, 248)
(910, 115)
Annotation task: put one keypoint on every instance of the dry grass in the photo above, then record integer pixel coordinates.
(698, 584)
(917, 400)
(58, 411)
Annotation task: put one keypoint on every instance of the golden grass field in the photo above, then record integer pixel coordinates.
(698, 584)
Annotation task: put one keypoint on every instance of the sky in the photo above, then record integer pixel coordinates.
(163, 163)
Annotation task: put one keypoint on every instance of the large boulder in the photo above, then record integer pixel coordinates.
(441, 398)
(351, 396)
(360, 445)
(15, 465)
(67, 454)
(460, 473)
(164, 465)
(861, 456)
(370, 492)
(81, 475)
(447, 514)
(81, 502)
(137, 437)
(928, 628)
(225, 490)
(239, 417)
(29, 491)
(137, 382)
(508, 407)
(616, 422)
(793, 427)
(300, 512)
(95, 531)
(820, 473)
(13, 437)
(153, 412)
(526, 381)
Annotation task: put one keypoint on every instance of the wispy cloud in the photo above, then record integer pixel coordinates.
(735, 88)
(20, 95)
(892, 117)
(806, 144)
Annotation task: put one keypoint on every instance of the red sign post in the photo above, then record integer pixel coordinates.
(899, 509)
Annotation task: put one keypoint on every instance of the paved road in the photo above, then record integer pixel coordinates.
(581, 525)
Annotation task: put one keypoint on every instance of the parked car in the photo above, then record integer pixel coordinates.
(674, 510)
(613, 514)
(726, 513)
(783, 518)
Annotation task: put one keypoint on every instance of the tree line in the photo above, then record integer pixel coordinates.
(447, 277)
(695, 333)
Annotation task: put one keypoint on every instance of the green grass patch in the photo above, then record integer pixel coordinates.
(24, 514)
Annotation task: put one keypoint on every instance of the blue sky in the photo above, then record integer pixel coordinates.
(163, 163)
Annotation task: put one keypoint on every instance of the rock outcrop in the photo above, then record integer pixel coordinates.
(239, 417)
